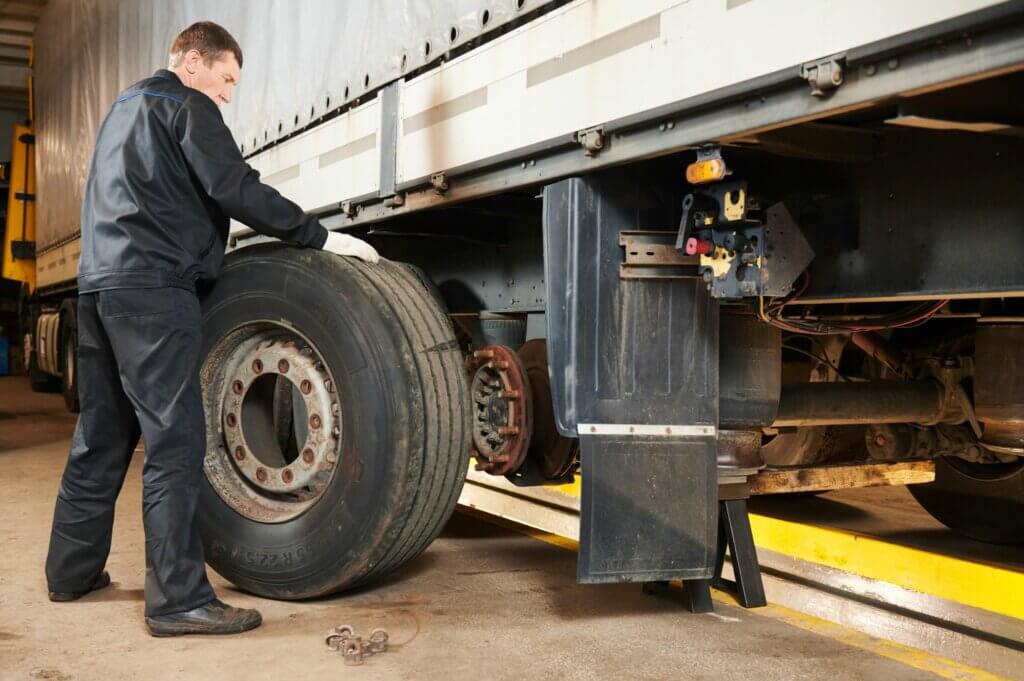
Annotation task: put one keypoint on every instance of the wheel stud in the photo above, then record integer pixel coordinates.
(257, 366)
(315, 422)
(232, 420)
(261, 474)
(307, 455)
(239, 453)
(306, 387)
(237, 387)
(286, 475)
(282, 366)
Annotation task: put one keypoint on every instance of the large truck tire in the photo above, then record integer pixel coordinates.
(337, 416)
(39, 380)
(69, 355)
(980, 501)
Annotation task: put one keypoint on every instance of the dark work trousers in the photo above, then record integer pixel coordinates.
(138, 364)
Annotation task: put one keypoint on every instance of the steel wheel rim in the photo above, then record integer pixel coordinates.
(273, 422)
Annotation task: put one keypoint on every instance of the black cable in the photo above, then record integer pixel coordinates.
(823, 360)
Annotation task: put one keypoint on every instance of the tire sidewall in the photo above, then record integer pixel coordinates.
(989, 509)
(69, 335)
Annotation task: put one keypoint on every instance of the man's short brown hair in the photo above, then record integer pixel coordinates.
(210, 39)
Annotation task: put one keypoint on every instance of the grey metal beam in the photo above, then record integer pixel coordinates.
(15, 40)
(743, 111)
(15, 25)
(14, 77)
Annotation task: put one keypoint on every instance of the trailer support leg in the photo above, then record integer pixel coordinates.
(734, 533)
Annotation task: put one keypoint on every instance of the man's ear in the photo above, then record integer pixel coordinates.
(191, 60)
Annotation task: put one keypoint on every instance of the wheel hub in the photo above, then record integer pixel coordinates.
(271, 379)
(502, 412)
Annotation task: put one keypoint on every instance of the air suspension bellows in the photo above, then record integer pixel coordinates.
(999, 386)
(750, 378)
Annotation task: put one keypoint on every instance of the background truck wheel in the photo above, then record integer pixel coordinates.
(39, 380)
(980, 501)
(337, 418)
(69, 356)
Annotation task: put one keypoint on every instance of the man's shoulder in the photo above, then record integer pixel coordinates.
(162, 84)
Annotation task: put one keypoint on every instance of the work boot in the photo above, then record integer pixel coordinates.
(103, 580)
(213, 618)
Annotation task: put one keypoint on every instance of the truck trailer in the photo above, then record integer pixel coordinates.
(661, 244)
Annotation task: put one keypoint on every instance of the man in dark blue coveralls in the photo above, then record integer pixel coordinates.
(165, 179)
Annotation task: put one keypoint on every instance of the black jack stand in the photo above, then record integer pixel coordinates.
(734, 532)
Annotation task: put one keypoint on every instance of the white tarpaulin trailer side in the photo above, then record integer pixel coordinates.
(493, 115)
(302, 58)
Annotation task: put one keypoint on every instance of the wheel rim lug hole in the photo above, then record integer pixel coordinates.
(237, 387)
(306, 386)
(307, 455)
(257, 366)
(261, 475)
(239, 453)
(315, 422)
(232, 420)
(286, 475)
(282, 366)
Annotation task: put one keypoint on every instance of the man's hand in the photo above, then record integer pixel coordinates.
(343, 244)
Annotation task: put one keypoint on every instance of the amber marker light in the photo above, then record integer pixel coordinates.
(706, 170)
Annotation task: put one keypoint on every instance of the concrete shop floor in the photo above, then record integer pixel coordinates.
(482, 603)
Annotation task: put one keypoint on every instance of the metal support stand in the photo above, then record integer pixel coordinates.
(734, 532)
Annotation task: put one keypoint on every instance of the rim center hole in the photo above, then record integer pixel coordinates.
(274, 420)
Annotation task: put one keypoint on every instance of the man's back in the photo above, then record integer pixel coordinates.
(145, 221)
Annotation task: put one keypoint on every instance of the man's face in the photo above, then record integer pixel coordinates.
(216, 80)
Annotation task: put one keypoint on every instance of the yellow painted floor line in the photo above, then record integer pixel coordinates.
(906, 655)
(911, 657)
(979, 585)
(975, 584)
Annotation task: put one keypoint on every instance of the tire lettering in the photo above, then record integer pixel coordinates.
(285, 558)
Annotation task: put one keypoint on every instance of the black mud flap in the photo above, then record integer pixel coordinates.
(648, 510)
(634, 374)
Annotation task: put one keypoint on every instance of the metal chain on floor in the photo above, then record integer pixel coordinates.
(354, 650)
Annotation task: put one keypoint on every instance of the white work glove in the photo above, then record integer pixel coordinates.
(343, 244)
